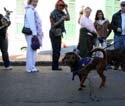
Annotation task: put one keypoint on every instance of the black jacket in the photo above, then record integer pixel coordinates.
(116, 22)
(3, 30)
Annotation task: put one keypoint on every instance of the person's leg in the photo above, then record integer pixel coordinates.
(97, 44)
(34, 69)
(123, 41)
(104, 43)
(4, 50)
(56, 52)
(83, 43)
(56, 48)
(117, 44)
(29, 57)
(90, 43)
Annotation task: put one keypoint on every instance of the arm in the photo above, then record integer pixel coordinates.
(67, 17)
(53, 22)
(31, 21)
(113, 23)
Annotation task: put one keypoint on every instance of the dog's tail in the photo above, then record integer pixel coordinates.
(96, 49)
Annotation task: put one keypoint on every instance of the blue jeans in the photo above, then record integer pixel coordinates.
(119, 41)
(4, 50)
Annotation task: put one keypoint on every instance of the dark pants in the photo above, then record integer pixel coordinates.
(56, 48)
(86, 42)
(4, 50)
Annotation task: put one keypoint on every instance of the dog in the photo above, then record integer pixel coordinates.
(72, 60)
(5, 19)
(116, 57)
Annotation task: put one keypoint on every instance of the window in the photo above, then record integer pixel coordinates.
(20, 7)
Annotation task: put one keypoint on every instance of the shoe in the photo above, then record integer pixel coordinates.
(116, 68)
(56, 69)
(8, 68)
(34, 70)
(29, 71)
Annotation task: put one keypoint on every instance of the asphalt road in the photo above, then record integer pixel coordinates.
(55, 88)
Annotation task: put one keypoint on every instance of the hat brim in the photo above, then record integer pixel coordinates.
(122, 4)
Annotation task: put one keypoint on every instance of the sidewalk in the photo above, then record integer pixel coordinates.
(43, 57)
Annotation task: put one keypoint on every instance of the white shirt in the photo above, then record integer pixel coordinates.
(123, 23)
(29, 21)
(87, 23)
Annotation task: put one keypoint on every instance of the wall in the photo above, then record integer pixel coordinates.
(17, 40)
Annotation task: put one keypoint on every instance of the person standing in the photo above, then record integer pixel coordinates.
(103, 28)
(4, 24)
(57, 18)
(87, 33)
(118, 27)
(32, 21)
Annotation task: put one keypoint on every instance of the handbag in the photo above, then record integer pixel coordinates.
(26, 31)
(35, 44)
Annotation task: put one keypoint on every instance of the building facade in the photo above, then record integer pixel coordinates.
(17, 39)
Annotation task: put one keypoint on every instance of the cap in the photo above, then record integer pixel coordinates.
(122, 2)
(61, 2)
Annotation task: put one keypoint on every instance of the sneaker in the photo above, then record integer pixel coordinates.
(29, 71)
(34, 70)
(8, 68)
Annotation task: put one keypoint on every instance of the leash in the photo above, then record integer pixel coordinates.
(112, 44)
(92, 95)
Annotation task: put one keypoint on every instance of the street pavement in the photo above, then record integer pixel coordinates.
(55, 88)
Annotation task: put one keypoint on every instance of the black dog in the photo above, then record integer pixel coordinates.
(116, 57)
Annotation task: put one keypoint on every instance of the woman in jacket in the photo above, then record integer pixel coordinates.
(32, 21)
(103, 28)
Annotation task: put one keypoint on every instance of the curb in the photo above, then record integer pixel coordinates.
(23, 63)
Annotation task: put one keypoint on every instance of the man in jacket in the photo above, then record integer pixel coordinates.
(118, 26)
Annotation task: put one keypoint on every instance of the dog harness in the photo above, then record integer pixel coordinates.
(80, 65)
(86, 60)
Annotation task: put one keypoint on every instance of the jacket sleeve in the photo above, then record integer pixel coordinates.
(31, 20)
(113, 23)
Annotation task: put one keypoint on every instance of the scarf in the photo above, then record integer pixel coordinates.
(37, 22)
(101, 22)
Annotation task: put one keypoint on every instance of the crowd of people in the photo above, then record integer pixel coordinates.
(90, 34)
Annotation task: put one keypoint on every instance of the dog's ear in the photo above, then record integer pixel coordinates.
(5, 9)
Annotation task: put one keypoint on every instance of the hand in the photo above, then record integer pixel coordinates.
(63, 18)
(66, 6)
(119, 29)
(107, 30)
